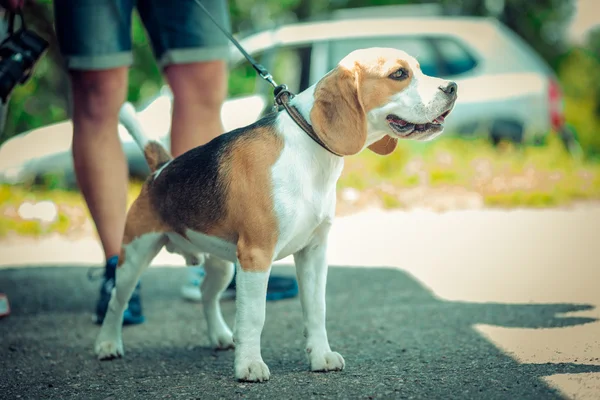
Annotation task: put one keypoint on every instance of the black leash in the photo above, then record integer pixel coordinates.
(262, 71)
(281, 92)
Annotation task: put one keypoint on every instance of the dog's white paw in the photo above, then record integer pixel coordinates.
(252, 371)
(109, 349)
(329, 361)
(222, 340)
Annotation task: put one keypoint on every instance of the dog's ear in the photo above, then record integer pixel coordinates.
(384, 146)
(338, 116)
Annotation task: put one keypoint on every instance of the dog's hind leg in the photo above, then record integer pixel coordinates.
(218, 275)
(137, 255)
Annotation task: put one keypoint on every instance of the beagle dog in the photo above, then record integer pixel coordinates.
(267, 191)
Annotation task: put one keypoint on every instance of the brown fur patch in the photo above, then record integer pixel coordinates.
(141, 219)
(338, 116)
(376, 87)
(250, 214)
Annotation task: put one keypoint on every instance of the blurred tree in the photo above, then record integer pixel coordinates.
(593, 49)
(580, 76)
(41, 100)
(542, 23)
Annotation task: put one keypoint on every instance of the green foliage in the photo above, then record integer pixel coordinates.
(579, 73)
(40, 101)
(145, 78)
(541, 23)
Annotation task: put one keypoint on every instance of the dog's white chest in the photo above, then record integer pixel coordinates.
(303, 192)
(300, 221)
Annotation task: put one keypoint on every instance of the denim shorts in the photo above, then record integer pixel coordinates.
(96, 34)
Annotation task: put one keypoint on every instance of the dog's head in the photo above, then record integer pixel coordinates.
(375, 97)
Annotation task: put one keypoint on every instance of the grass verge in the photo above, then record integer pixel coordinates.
(506, 176)
(447, 168)
(65, 212)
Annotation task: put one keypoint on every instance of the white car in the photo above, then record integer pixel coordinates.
(505, 90)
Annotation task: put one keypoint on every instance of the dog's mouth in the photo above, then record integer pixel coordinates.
(405, 128)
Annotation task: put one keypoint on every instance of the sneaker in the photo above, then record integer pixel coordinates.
(278, 288)
(133, 314)
(191, 288)
(191, 291)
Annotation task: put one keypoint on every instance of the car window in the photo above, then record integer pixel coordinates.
(455, 57)
(288, 65)
(418, 47)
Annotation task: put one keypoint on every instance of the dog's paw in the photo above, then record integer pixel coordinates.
(330, 361)
(222, 340)
(252, 371)
(108, 349)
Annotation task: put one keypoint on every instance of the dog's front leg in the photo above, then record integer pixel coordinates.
(311, 268)
(252, 275)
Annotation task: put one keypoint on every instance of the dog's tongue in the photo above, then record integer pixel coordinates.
(440, 119)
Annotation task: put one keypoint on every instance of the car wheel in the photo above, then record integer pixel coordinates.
(506, 130)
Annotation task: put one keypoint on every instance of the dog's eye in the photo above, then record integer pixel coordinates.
(399, 75)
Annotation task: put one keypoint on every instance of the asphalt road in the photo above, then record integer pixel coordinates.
(398, 339)
(470, 305)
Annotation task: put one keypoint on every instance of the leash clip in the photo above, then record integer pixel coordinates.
(269, 78)
(262, 71)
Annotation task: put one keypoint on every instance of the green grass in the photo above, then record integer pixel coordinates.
(506, 177)
(389, 201)
(12, 196)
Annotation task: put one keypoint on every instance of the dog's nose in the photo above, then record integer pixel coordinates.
(450, 88)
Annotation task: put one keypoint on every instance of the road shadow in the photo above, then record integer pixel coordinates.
(399, 341)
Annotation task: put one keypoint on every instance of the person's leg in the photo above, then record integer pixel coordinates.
(100, 165)
(192, 53)
(199, 90)
(101, 169)
(93, 39)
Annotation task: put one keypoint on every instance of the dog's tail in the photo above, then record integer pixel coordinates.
(156, 155)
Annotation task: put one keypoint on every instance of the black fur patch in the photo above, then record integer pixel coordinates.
(191, 191)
